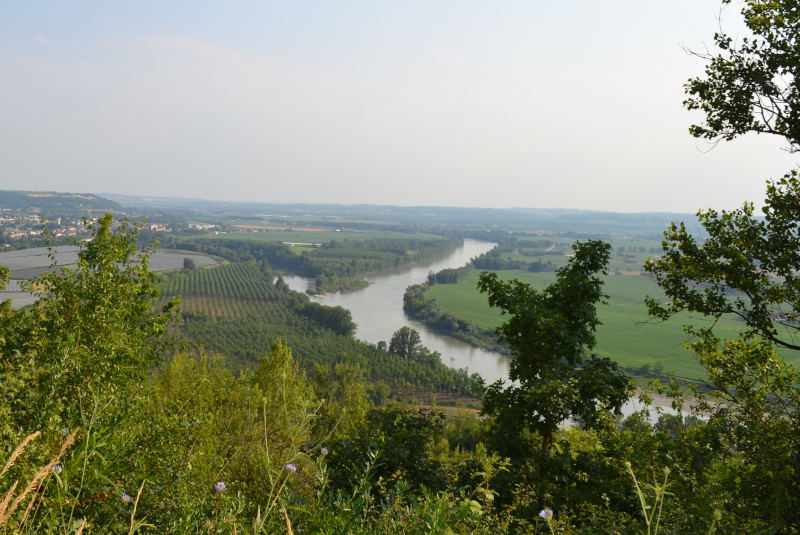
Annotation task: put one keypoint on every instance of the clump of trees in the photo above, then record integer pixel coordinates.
(416, 306)
(445, 276)
(750, 85)
(551, 333)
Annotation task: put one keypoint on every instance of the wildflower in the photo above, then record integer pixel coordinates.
(126, 498)
(324, 451)
(64, 431)
(220, 487)
(57, 468)
(291, 467)
(546, 514)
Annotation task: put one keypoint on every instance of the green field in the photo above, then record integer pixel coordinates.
(628, 253)
(626, 335)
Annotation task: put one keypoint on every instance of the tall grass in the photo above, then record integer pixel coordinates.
(7, 506)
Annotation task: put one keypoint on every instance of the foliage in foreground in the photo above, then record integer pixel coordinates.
(189, 447)
(107, 430)
(551, 334)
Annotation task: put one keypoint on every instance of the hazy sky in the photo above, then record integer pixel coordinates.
(460, 103)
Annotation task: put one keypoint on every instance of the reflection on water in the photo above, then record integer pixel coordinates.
(378, 312)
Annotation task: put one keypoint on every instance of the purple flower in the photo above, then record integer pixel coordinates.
(546, 514)
(57, 468)
(64, 431)
(220, 487)
(125, 498)
(291, 467)
(324, 451)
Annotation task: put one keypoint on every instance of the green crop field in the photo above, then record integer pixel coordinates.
(628, 253)
(626, 335)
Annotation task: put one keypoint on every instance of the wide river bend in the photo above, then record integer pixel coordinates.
(378, 312)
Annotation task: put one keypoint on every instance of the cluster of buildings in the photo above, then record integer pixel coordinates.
(19, 226)
(22, 227)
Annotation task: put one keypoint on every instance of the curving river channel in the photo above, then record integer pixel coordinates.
(378, 312)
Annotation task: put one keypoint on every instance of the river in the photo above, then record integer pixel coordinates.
(378, 312)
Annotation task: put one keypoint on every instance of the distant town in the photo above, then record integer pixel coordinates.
(23, 227)
(32, 219)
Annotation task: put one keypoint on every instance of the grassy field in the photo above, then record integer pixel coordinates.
(629, 253)
(626, 335)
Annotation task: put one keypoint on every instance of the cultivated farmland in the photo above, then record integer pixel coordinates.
(27, 264)
(627, 335)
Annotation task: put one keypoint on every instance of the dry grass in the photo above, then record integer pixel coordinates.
(16, 453)
(7, 506)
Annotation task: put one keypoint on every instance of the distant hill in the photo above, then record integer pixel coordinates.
(555, 220)
(56, 202)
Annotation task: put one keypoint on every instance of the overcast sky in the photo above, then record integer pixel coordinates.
(457, 103)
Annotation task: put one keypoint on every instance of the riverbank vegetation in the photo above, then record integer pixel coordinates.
(336, 265)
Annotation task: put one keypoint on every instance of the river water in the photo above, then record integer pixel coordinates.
(378, 311)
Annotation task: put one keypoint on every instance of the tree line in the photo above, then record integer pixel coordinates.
(337, 266)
